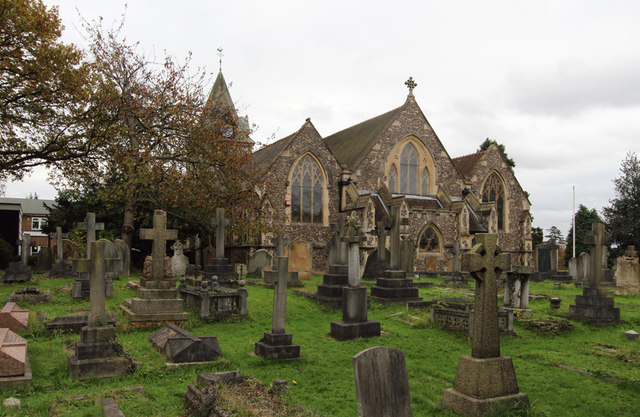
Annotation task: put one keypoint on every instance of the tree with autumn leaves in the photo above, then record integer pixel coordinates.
(145, 137)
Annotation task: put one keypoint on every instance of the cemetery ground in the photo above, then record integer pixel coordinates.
(585, 371)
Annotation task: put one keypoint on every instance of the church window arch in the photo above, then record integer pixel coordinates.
(493, 191)
(307, 191)
(430, 240)
(410, 168)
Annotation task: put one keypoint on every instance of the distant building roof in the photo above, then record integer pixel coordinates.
(465, 163)
(31, 206)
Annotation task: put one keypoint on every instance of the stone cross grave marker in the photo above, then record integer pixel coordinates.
(352, 237)
(58, 236)
(220, 222)
(597, 239)
(24, 243)
(89, 224)
(279, 294)
(395, 237)
(456, 256)
(280, 242)
(341, 247)
(485, 263)
(382, 231)
(382, 384)
(97, 267)
(159, 234)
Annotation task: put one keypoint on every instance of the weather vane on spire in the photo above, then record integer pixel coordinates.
(411, 85)
(220, 55)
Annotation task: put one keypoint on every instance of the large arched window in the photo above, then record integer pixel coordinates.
(409, 170)
(307, 183)
(429, 240)
(393, 178)
(493, 191)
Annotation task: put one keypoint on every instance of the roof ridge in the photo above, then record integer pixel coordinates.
(467, 155)
(366, 121)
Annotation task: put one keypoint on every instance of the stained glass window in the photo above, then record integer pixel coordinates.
(307, 183)
(493, 191)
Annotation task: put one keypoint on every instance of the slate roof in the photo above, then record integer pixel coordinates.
(465, 163)
(350, 145)
(423, 202)
(30, 205)
(267, 154)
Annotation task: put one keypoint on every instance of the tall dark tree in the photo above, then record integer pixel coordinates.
(623, 215)
(43, 91)
(537, 235)
(554, 233)
(584, 219)
(488, 142)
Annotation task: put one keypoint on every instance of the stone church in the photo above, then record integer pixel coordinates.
(391, 160)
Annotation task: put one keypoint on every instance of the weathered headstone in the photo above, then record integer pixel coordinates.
(220, 266)
(13, 317)
(180, 346)
(125, 254)
(516, 288)
(456, 277)
(61, 268)
(407, 255)
(336, 276)
(594, 305)
(393, 286)
(20, 271)
(258, 261)
(157, 299)
(98, 354)
(547, 259)
(382, 384)
(179, 261)
(277, 344)
(376, 265)
(485, 381)
(45, 259)
(628, 273)
(271, 276)
(354, 322)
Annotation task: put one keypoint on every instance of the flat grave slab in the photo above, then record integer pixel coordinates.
(13, 354)
(13, 317)
(74, 323)
(180, 346)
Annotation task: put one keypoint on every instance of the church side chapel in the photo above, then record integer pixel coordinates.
(391, 160)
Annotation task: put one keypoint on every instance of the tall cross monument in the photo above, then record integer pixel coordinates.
(159, 234)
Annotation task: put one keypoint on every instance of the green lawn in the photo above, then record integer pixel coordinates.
(588, 371)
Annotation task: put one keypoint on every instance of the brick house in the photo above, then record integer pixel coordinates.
(24, 215)
(393, 159)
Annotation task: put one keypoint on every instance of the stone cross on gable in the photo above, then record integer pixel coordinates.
(597, 239)
(485, 263)
(58, 236)
(159, 234)
(411, 85)
(24, 243)
(382, 232)
(89, 224)
(220, 222)
(97, 267)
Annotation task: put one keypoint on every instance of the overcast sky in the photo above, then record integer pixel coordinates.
(557, 82)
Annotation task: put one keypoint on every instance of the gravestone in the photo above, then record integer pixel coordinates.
(13, 317)
(354, 322)
(594, 305)
(378, 261)
(336, 277)
(98, 353)
(220, 266)
(547, 259)
(382, 384)
(393, 286)
(584, 267)
(157, 299)
(277, 344)
(485, 381)
(628, 273)
(61, 268)
(13, 357)
(125, 255)
(212, 301)
(179, 261)
(180, 346)
(516, 288)
(271, 276)
(89, 224)
(258, 260)
(456, 277)
(20, 271)
(81, 284)
(45, 259)
(407, 255)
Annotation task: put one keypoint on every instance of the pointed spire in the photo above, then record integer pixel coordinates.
(220, 55)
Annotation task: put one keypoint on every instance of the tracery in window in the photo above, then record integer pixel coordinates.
(409, 170)
(307, 184)
(393, 179)
(429, 240)
(425, 182)
(493, 191)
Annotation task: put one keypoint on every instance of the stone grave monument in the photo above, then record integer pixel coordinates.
(45, 259)
(354, 322)
(547, 259)
(61, 268)
(628, 273)
(485, 381)
(125, 255)
(594, 305)
(14, 362)
(336, 277)
(277, 344)
(98, 353)
(382, 384)
(80, 287)
(212, 301)
(393, 286)
(456, 277)
(13, 317)
(376, 266)
(258, 261)
(271, 275)
(179, 262)
(220, 266)
(20, 271)
(180, 346)
(516, 288)
(157, 299)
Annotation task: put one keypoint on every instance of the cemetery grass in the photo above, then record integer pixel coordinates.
(586, 371)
